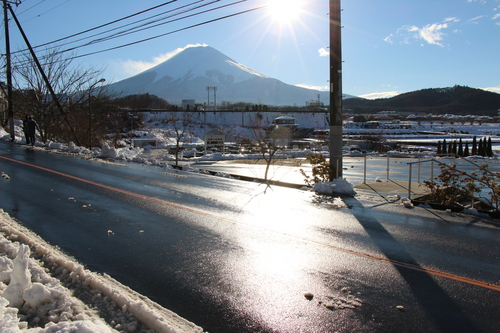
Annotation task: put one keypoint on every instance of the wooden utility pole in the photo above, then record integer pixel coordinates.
(335, 90)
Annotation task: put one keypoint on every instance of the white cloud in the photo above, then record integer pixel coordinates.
(451, 19)
(385, 94)
(496, 16)
(323, 52)
(475, 19)
(308, 86)
(493, 89)
(131, 67)
(431, 33)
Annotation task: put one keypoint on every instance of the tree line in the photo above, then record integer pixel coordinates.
(481, 147)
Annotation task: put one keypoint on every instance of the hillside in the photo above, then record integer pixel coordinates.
(460, 100)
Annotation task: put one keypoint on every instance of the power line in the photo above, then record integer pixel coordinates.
(171, 32)
(168, 33)
(45, 12)
(122, 26)
(133, 30)
(105, 24)
(24, 11)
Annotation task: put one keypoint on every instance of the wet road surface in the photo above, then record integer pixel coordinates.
(237, 256)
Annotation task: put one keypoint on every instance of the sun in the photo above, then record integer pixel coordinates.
(284, 11)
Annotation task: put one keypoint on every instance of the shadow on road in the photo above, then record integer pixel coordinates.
(445, 313)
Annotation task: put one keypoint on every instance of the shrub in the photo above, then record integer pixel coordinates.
(321, 170)
(455, 186)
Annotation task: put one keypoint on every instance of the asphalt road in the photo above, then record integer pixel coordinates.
(236, 256)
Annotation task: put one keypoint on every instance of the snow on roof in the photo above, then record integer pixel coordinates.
(27, 288)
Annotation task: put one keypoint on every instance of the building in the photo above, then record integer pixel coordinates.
(188, 103)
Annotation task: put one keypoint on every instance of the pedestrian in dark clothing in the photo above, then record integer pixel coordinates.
(32, 127)
(25, 130)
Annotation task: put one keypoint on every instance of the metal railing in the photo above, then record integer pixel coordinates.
(422, 172)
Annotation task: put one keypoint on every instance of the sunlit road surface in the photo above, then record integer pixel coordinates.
(236, 256)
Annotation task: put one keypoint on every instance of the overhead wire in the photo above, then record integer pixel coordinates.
(59, 5)
(130, 29)
(172, 32)
(27, 9)
(27, 62)
(137, 28)
(145, 26)
(103, 25)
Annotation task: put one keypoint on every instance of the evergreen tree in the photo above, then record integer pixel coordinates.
(439, 148)
(466, 150)
(444, 149)
(460, 148)
(490, 148)
(454, 149)
(480, 148)
(474, 146)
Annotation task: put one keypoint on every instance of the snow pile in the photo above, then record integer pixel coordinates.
(406, 203)
(338, 186)
(55, 145)
(39, 300)
(4, 135)
(127, 154)
(20, 279)
(33, 301)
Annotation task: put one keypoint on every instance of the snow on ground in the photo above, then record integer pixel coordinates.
(41, 290)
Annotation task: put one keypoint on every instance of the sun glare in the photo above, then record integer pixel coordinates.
(284, 11)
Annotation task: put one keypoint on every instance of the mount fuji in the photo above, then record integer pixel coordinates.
(187, 74)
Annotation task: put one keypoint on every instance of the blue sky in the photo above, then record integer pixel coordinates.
(389, 46)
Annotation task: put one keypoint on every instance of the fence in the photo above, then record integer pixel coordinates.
(424, 167)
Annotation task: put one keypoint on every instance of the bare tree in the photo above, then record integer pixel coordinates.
(270, 141)
(182, 125)
(71, 84)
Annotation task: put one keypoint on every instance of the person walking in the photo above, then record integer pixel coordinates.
(32, 127)
(25, 130)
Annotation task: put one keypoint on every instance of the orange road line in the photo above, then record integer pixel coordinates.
(353, 252)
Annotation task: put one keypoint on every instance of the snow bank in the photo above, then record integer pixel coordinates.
(339, 186)
(28, 294)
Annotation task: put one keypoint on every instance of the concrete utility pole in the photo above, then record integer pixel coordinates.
(335, 90)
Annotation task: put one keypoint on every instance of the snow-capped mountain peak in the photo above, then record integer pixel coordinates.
(187, 74)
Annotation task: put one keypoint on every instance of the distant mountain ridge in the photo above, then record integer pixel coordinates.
(460, 100)
(187, 74)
